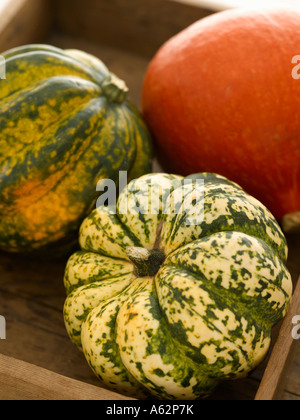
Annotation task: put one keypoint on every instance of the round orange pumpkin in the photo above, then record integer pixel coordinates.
(224, 96)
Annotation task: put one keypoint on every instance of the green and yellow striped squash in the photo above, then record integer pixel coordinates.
(65, 124)
(165, 307)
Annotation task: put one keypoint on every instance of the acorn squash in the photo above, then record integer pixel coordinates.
(65, 124)
(168, 302)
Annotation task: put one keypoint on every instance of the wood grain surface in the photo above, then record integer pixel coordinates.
(31, 291)
(283, 354)
(134, 25)
(23, 381)
(24, 21)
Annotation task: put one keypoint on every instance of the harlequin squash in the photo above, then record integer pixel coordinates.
(168, 300)
(224, 95)
(65, 124)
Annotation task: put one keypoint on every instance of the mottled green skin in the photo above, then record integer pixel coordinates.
(205, 316)
(60, 133)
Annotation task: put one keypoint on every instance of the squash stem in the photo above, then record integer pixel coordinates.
(115, 89)
(147, 263)
(291, 223)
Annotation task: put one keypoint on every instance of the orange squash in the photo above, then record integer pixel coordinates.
(224, 96)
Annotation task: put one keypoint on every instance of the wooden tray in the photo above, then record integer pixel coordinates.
(37, 359)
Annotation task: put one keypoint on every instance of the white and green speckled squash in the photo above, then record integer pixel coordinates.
(167, 308)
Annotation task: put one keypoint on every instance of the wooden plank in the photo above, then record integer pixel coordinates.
(287, 396)
(293, 259)
(274, 379)
(213, 5)
(219, 5)
(24, 21)
(135, 25)
(238, 390)
(22, 381)
(31, 292)
(293, 375)
(31, 300)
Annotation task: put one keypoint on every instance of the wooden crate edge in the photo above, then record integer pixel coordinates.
(137, 26)
(274, 378)
(24, 21)
(23, 381)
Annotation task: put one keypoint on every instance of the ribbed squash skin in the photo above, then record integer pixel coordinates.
(206, 315)
(60, 133)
